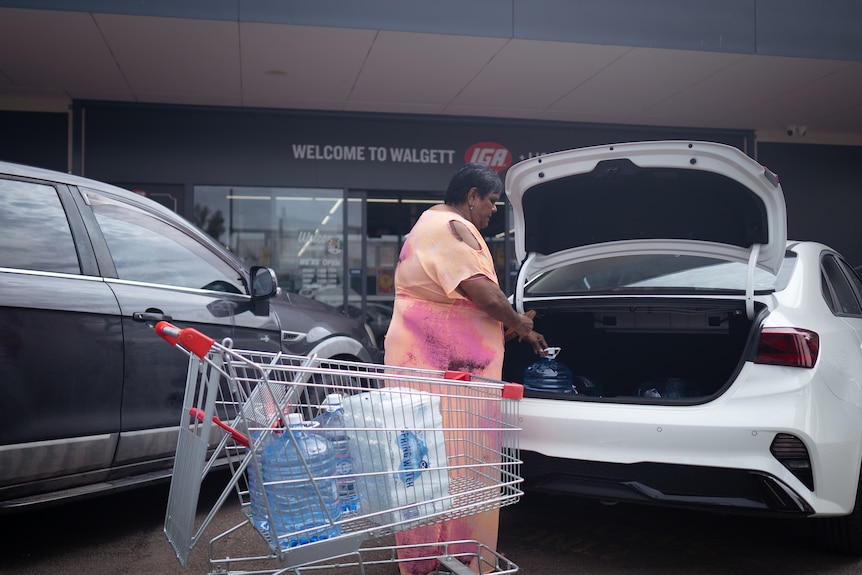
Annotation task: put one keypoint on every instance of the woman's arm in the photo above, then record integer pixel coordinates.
(488, 297)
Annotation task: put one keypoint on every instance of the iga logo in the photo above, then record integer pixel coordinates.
(491, 154)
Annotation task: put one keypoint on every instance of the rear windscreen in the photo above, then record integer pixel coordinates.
(657, 273)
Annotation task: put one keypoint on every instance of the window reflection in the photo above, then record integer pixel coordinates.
(297, 231)
(147, 249)
(34, 232)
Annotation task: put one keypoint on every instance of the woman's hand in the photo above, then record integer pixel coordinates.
(524, 325)
(525, 333)
(536, 341)
(510, 332)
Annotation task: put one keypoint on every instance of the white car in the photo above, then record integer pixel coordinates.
(715, 365)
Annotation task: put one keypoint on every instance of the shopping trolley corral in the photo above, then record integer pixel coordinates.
(460, 432)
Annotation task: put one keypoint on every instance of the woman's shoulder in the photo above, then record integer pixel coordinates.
(436, 216)
(463, 233)
(441, 218)
(444, 212)
(439, 210)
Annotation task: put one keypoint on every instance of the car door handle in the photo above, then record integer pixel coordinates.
(150, 316)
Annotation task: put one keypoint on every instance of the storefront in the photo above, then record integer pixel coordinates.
(325, 199)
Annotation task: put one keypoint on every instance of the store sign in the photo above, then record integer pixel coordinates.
(372, 154)
(494, 155)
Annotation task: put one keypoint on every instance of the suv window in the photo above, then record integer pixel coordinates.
(147, 249)
(34, 232)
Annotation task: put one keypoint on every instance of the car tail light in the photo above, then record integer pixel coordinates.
(792, 454)
(788, 346)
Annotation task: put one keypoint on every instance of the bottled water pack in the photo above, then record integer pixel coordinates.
(402, 446)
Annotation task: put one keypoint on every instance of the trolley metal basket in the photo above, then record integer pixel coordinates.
(426, 446)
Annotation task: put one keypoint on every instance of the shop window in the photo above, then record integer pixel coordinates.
(299, 232)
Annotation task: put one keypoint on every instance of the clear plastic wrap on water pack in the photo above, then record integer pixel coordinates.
(399, 456)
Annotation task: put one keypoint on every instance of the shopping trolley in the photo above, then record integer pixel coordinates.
(426, 447)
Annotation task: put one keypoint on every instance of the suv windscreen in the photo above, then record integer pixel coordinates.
(34, 232)
(652, 273)
(147, 249)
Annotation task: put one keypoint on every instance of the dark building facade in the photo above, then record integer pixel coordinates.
(326, 198)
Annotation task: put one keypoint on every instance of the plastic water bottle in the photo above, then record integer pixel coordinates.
(294, 505)
(257, 504)
(549, 375)
(332, 428)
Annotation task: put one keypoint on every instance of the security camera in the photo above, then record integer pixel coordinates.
(802, 130)
(790, 130)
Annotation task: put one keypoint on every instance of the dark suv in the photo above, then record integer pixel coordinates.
(91, 397)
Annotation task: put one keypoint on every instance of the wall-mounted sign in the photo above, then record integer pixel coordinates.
(332, 152)
(495, 156)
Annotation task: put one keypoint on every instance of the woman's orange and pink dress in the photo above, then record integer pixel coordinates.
(435, 327)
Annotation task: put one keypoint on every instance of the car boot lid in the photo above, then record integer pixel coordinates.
(696, 198)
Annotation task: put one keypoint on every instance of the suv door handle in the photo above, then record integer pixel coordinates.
(150, 316)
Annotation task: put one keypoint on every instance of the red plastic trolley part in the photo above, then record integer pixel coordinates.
(513, 391)
(188, 337)
(237, 436)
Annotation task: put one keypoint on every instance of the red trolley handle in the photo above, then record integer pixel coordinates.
(513, 391)
(190, 338)
(237, 436)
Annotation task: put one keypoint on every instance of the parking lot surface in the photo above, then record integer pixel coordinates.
(544, 535)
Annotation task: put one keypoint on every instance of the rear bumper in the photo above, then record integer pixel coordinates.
(713, 455)
(670, 485)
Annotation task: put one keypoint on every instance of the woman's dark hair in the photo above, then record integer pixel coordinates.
(468, 176)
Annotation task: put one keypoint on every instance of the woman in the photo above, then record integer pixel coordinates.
(449, 315)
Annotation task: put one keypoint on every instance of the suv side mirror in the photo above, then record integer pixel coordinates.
(264, 285)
